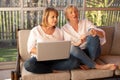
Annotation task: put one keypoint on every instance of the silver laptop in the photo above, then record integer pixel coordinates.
(53, 50)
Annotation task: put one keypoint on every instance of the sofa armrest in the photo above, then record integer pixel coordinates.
(16, 74)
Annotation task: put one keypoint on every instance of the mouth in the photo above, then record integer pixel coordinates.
(75, 18)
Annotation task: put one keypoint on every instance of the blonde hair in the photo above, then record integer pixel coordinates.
(68, 8)
(46, 12)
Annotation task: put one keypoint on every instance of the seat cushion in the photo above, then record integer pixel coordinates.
(90, 74)
(112, 59)
(62, 75)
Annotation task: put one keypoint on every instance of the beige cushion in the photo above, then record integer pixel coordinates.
(90, 74)
(117, 72)
(22, 44)
(62, 75)
(111, 59)
(109, 38)
(115, 59)
(116, 41)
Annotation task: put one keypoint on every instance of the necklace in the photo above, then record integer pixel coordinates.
(46, 36)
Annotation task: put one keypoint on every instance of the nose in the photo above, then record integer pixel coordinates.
(73, 13)
(55, 18)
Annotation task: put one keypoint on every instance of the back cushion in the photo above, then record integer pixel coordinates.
(109, 31)
(22, 44)
(116, 41)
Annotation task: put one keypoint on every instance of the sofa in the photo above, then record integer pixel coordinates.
(110, 54)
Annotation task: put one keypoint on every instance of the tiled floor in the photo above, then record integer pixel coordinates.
(5, 74)
(5, 70)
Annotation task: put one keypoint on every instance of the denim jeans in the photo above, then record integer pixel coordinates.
(66, 64)
(91, 52)
(93, 47)
(32, 65)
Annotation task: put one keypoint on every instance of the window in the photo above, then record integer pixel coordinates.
(25, 14)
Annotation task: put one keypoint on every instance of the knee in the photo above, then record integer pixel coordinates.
(30, 64)
(91, 38)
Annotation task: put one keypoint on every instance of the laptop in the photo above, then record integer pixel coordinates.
(53, 50)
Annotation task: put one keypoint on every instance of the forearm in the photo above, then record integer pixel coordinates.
(95, 32)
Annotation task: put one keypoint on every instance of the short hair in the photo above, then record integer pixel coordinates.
(67, 8)
(46, 14)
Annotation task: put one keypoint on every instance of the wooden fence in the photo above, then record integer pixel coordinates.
(28, 14)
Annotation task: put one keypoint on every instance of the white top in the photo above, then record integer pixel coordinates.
(83, 27)
(38, 35)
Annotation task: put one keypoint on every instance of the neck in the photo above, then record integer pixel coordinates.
(74, 22)
(48, 30)
(74, 25)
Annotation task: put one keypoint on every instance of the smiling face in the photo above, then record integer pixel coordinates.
(71, 13)
(49, 18)
(52, 19)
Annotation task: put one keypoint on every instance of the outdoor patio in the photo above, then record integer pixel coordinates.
(25, 14)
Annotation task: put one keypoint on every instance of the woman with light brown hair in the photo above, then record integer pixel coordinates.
(86, 39)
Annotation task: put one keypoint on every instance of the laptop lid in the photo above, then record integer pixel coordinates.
(53, 50)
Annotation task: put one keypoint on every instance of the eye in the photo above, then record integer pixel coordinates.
(52, 16)
(71, 12)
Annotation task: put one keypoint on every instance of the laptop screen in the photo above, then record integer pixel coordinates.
(53, 50)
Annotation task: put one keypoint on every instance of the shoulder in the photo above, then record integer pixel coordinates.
(65, 26)
(58, 29)
(35, 29)
(58, 32)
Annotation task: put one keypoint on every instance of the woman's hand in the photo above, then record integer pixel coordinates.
(80, 41)
(33, 50)
(92, 32)
(95, 32)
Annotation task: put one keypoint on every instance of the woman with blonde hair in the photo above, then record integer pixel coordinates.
(86, 39)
